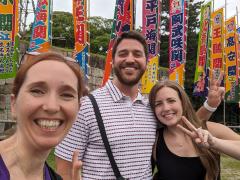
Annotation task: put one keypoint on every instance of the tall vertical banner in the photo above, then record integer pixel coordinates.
(123, 22)
(42, 28)
(201, 72)
(177, 40)
(151, 30)
(80, 34)
(9, 40)
(231, 82)
(238, 57)
(217, 47)
(150, 76)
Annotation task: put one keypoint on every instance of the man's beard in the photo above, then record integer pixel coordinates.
(123, 79)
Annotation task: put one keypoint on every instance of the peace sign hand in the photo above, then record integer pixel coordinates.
(216, 91)
(76, 167)
(200, 136)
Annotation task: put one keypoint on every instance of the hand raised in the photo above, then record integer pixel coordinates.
(215, 92)
(76, 166)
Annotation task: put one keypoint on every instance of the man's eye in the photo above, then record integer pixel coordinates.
(122, 54)
(138, 54)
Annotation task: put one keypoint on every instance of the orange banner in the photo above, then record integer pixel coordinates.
(81, 49)
(216, 60)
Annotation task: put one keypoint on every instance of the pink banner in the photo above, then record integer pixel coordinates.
(151, 21)
(178, 31)
(177, 40)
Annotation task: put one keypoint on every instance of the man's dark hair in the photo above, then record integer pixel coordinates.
(130, 35)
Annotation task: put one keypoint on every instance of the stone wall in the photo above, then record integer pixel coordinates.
(5, 91)
(6, 121)
(95, 78)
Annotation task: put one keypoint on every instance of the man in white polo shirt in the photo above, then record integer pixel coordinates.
(129, 122)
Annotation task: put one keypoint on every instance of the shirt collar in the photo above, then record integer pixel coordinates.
(117, 95)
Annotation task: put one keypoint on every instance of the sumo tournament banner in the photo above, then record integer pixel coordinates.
(231, 80)
(177, 40)
(9, 40)
(201, 72)
(150, 29)
(41, 34)
(123, 22)
(217, 47)
(81, 50)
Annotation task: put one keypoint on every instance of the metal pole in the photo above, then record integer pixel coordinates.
(88, 34)
(213, 5)
(20, 16)
(224, 66)
(237, 15)
(51, 22)
(33, 6)
(238, 55)
(25, 18)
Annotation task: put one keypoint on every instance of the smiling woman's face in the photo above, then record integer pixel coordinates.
(47, 104)
(168, 106)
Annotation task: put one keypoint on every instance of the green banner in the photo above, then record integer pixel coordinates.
(9, 41)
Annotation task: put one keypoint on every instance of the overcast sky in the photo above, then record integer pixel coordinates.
(105, 8)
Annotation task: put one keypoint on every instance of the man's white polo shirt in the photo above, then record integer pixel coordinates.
(130, 128)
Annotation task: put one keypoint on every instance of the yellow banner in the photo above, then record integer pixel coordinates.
(150, 76)
(231, 83)
(178, 75)
(216, 60)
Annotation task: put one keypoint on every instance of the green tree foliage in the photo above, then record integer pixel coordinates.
(62, 29)
(63, 32)
(100, 31)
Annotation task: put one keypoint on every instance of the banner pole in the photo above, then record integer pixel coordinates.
(224, 103)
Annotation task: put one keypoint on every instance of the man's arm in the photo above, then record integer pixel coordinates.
(215, 96)
(63, 168)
